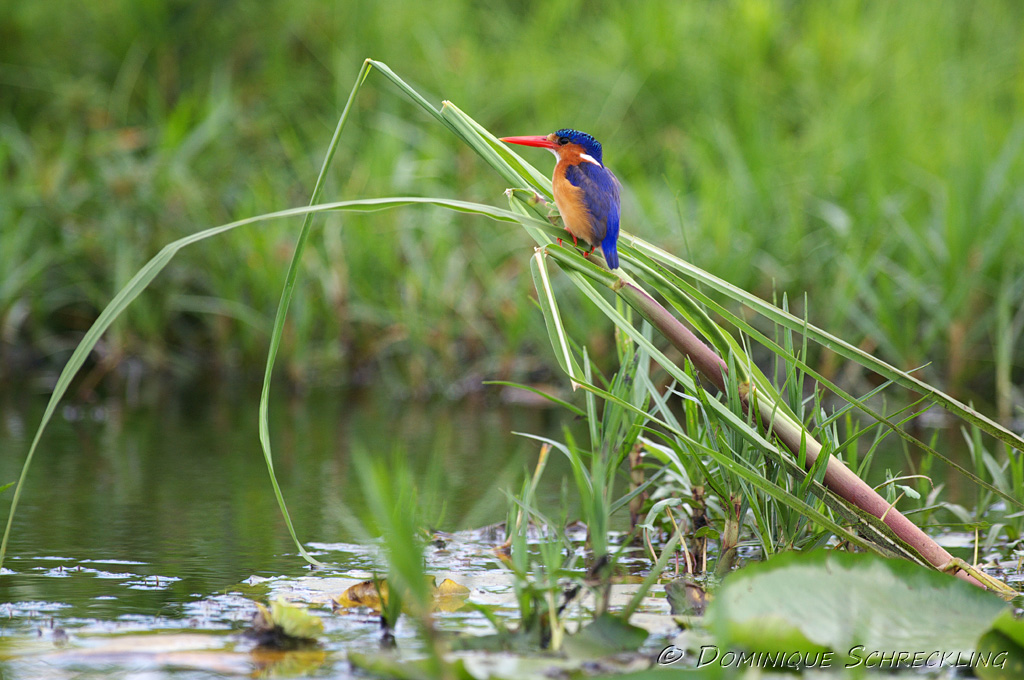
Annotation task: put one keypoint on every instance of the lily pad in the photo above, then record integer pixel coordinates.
(851, 604)
(605, 635)
(1001, 650)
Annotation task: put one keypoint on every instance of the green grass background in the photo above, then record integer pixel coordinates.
(869, 155)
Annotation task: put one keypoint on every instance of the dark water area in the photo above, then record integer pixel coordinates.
(142, 509)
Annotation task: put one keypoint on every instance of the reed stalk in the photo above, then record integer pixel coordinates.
(838, 478)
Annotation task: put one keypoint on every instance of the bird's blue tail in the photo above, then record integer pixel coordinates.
(609, 246)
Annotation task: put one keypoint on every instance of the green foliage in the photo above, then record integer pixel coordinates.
(538, 569)
(830, 600)
(614, 430)
(394, 512)
(995, 521)
(1006, 637)
(399, 510)
(869, 155)
(605, 635)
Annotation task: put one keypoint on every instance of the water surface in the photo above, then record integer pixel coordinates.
(142, 509)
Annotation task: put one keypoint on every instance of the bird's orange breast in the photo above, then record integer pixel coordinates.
(569, 199)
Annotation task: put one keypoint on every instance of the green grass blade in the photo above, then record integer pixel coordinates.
(282, 311)
(553, 321)
(828, 340)
(860, 403)
(496, 153)
(572, 408)
(659, 566)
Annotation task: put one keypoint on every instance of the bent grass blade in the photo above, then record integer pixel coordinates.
(145, 276)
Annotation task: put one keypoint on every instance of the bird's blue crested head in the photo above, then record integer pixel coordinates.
(591, 146)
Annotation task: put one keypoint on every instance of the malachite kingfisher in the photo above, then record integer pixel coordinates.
(586, 192)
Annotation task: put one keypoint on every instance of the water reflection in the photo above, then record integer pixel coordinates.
(169, 502)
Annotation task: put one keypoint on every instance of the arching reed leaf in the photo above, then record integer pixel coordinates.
(145, 276)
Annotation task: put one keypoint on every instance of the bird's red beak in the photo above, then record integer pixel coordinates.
(538, 140)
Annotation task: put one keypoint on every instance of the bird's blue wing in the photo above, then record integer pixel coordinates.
(601, 198)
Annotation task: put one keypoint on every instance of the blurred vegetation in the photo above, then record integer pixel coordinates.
(870, 155)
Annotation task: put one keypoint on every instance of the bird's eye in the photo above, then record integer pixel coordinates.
(562, 141)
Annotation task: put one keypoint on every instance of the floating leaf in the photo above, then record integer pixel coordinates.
(450, 588)
(363, 594)
(448, 597)
(606, 635)
(284, 625)
(295, 621)
(852, 604)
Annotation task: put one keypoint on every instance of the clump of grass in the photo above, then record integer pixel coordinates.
(997, 525)
(395, 513)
